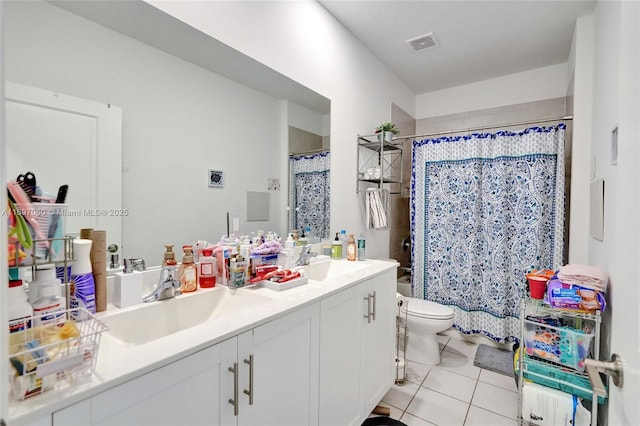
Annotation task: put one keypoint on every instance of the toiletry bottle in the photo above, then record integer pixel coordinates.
(82, 283)
(169, 256)
(127, 285)
(351, 248)
(344, 242)
(20, 311)
(188, 272)
(302, 241)
(361, 247)
(336, 248)
(44, 296)
(237, 270)
(207, 269)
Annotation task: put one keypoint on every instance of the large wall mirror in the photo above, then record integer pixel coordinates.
(190, 105)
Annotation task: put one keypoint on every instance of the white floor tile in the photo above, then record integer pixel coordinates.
(416, 372)
(450, 383)
(411, 420)
(463, 347)
(479, 417)
(497, 379)
(459, 364)
(438, 408)
(496, 400)
(399, 396)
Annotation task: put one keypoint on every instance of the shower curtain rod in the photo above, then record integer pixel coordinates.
(311, 151)
(473, 129)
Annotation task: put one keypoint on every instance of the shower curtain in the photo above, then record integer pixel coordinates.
(486, 208)
(309, 193)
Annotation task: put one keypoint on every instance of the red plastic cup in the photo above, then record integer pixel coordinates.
(537, 286)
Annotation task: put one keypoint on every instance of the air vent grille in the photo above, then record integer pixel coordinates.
(423, 42)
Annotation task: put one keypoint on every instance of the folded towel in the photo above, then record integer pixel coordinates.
(584, 275)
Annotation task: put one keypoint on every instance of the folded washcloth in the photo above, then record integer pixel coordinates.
(584, 275)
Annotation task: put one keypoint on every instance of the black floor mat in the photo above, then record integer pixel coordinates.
(382, 421)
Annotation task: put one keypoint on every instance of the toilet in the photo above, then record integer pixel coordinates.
(425, 320)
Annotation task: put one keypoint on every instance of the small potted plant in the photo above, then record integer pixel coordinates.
(388, 130)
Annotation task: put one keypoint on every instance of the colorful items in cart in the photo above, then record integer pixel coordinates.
(563, 345)
(574, 297)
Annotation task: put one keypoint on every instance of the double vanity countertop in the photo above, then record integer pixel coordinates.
(143, 338)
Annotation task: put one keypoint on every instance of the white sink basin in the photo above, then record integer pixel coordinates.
(150, 321)
(325, 268)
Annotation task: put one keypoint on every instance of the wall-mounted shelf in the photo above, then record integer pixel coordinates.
(379, 162)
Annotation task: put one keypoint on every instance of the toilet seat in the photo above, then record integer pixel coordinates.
(419, 308)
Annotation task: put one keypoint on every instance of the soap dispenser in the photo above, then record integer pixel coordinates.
(188, 271)
(169, 256)
(336, 248)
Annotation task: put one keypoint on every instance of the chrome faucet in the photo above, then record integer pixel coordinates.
(134, 264)
(305, 256)
(168, 286)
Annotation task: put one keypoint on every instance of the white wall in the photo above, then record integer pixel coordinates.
(178, 121)
(305, 119)
(581, 66)
(528, 86)
(304, 42)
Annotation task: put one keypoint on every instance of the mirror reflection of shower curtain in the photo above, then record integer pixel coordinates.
(486, 208)
(309, 193)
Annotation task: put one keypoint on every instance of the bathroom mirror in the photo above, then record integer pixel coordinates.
(189, 104)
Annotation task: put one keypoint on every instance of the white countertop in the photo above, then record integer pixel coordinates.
(119, 362)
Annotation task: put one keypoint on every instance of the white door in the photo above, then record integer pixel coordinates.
(342, 352)
(624, 406)
(283, 355)
(380, 340)
(66, 140)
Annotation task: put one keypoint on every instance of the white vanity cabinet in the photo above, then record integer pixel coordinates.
(276, 385)
(357, 349)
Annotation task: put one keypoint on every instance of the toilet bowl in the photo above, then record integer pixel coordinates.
(425, 320)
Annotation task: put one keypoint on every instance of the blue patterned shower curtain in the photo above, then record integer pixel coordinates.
(485, 209)
(309, 193)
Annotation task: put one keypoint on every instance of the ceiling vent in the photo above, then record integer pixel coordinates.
(423, 42)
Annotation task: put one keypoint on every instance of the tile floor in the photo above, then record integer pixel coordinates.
(455, 392)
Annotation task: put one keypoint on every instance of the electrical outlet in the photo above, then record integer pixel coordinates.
(273, 184)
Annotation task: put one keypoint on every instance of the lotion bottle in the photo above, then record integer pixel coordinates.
(207, 269)
(351, 248)
(188, 272)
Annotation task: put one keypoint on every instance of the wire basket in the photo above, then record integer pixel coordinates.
(55, 354)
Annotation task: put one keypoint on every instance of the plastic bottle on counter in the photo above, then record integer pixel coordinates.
(344, 242)
(83, 285)
(361, 247)
(351, 248)
(20, 311)
(188, 272)
(207, 269)
(336, 248)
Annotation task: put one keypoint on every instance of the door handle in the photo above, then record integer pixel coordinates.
(234, 401)
(613, 368)
(250, 390)
(373, 312)
(368, 316)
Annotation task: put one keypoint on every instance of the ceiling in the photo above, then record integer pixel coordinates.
(476, 40)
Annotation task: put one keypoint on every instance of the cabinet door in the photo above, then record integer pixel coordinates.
(380, 340)
(78, 414)
(285, 371)
(187, 392)
(341, 356)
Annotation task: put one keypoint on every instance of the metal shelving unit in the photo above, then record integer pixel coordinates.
(383, 152)
(532, 366)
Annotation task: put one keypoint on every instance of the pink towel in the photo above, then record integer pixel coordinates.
(584, 275)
